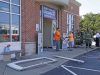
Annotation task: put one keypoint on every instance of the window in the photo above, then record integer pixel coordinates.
(15, 9)
(4, 6)
(10, 21)
(15, 2)
(70, 23)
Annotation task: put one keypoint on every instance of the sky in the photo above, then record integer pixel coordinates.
(88, 6)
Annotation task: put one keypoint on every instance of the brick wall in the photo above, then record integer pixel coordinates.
(30, 11)
(62, 21)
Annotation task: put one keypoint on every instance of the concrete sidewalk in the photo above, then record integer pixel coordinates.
(4, 70)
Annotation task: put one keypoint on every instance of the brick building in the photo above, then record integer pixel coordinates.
(22, 20)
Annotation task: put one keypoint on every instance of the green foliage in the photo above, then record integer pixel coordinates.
(90, 20)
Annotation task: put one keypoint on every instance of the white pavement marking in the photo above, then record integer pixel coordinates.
(68, 70)
(15, 65)
(89, 57)
(69, 58)
(83, 68)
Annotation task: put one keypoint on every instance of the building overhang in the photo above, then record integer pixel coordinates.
(60, 4)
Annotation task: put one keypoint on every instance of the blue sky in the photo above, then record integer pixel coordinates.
(88, 6)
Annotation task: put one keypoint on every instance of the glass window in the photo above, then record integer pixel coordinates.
(15, 27)
(6, 0)
(72, 22)
(67, 21)
(4, 27)
(15, 2)
(4, 6)
(73, 17)
(5, 21)
(15, 9)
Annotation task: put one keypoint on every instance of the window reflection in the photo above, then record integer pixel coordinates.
(6, 0)
(15, 9)
(16, 1)
(15, 27)
(4, 6)
(4, 27)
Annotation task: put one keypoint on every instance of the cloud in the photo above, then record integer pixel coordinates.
(83, 12)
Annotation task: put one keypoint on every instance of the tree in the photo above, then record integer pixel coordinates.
(90, 20)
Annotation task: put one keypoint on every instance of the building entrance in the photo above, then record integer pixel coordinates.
(48, 25)
(49, 29)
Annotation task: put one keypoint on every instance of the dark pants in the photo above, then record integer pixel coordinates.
(88, 42)
(97, 42)
(77, 43)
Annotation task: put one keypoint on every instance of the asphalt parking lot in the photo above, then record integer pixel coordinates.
(90, 67)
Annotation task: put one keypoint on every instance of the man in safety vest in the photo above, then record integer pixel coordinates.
(77, 38)
(88, 35)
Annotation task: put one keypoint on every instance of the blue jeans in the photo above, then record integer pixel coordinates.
(57, 45)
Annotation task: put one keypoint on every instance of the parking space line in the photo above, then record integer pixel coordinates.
(89, 57)
(68, 70)
(82, 68)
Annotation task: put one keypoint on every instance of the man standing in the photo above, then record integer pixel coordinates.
(77, 38)
(57, 38)
(97, 39)
(70, 39)
(88, 36)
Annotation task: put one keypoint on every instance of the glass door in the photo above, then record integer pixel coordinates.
(54, 26)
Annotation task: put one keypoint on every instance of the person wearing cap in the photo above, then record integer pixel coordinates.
(77, 38)
(57, 38)
(88, 35)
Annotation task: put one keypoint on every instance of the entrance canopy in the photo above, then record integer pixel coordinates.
(60, 4)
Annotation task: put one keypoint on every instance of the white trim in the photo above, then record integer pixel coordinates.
(5, 12)
(5, 1)
(20, 23)
(10, 34)
(15, 14)
(42, 27)
(71, 13)
(15, 4)
(4, 43)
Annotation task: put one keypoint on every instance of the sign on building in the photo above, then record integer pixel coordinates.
(49, 12)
